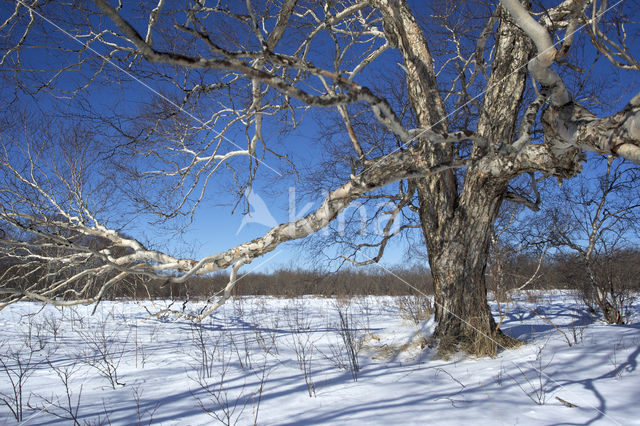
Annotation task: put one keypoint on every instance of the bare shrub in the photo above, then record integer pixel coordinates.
(344, 352)
(17, 366)
(612, 282)
(304, 349)
(244, 348)
(266, 340)
(300, 341)
(145, 416)
(534, 380)
(66, 407)
(35, 337)
(103, 350)
(414, 308)
(577, 331)
(205, 345)
(215, 398)
(271, 333)
(53, 325)
(365, 306)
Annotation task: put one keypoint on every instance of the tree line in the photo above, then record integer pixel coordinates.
(620, 270)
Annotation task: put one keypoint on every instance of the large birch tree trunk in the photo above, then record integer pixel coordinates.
(458, 222)
(458, 259)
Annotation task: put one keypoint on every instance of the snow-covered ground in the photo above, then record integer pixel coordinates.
(285, 361)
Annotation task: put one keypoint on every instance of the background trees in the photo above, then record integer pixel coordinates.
(596, 219)
(483, 86)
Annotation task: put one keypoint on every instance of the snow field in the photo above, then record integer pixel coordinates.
(311, 361)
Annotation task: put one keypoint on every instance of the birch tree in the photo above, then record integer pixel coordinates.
(601, 224)
(490, 96)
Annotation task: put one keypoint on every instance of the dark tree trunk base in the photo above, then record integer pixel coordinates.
(478, 338)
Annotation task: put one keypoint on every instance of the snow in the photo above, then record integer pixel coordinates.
(266, 343)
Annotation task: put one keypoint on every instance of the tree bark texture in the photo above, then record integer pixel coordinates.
(457, 222)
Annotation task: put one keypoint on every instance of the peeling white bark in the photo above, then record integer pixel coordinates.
(568, 125)
(540, 65)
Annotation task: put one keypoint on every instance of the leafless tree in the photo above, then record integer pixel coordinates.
(491, 92)
(597, 219)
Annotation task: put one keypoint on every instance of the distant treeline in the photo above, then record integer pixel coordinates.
(291, 283)
(619, 269)
(555, 272)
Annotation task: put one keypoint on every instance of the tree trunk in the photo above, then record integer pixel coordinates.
(458, 260)
(457, 222)
(458, 240)
(602, 290)
(612, 314)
